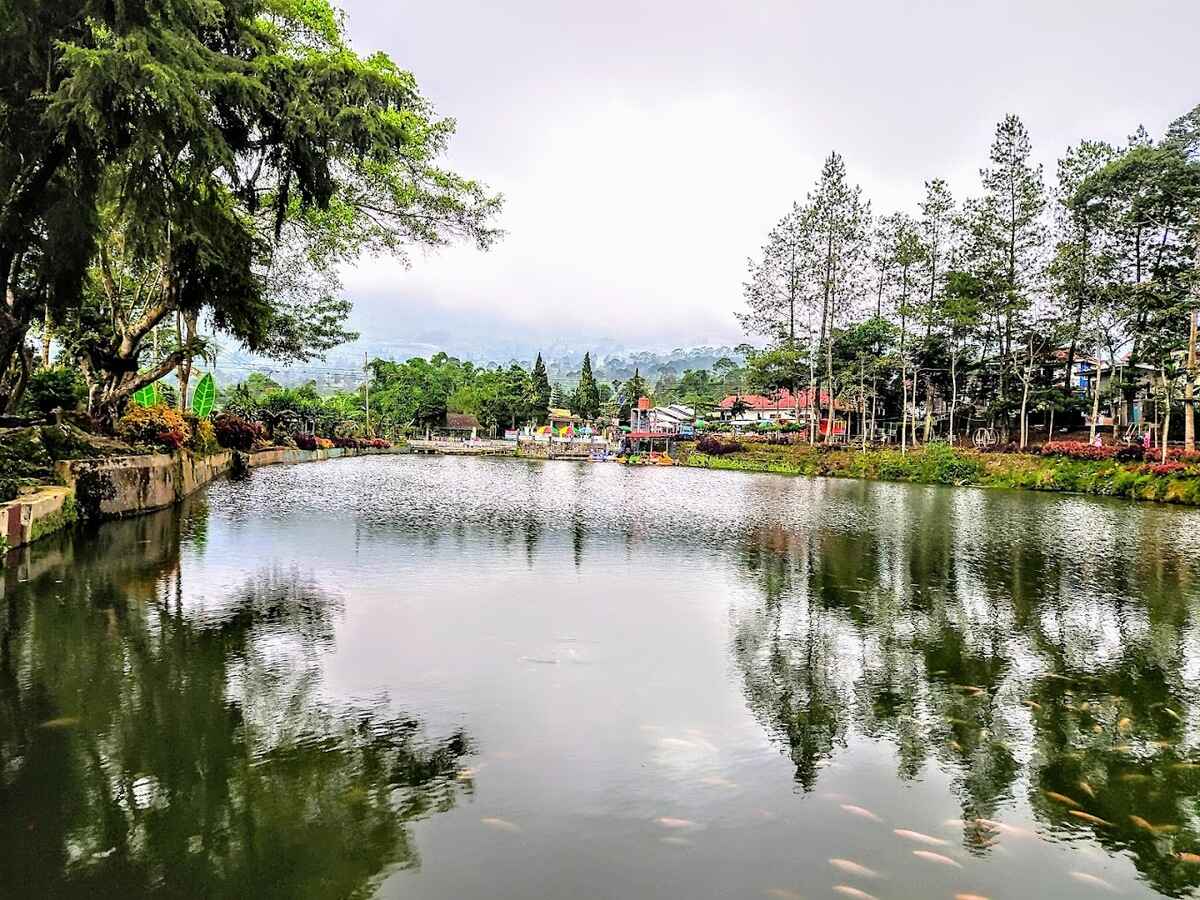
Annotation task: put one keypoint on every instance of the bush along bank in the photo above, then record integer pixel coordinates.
(1069, 468)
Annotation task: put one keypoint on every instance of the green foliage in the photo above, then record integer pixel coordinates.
(228, 157)
(203, 438)
(541, 390)
(9, 488)
(25, 459)
(941, 464)
(202, 399)
(59, 387)
(147, 396)
(586, 401)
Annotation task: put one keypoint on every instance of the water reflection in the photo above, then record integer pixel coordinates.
(996, 649)
(154, 741)
(680, 684)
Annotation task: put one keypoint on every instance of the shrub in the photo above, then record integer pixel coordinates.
(1168, 468)
(324, 444)
(1189, 456)
(711, 446)
(379, 444)
(156, 425)
(941, 464)
(173, 439)
(235, 433)
(204, 437)
(1130, 453)
(9, 488)
(306, 441)
(349, 443)
(54, 388)
(1077, 450)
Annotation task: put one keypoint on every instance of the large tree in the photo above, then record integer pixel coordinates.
(541, 391)
(243, 152)
(937, 230)
(780, 295)
(842, 225)
(1010, 235)
(587, 394)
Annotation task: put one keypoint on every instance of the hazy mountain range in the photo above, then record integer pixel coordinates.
(343, 367)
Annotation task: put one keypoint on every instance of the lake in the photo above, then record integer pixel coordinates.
(449, 678)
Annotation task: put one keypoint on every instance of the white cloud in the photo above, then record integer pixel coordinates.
(645, 149)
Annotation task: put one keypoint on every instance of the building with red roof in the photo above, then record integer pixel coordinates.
(779, 407)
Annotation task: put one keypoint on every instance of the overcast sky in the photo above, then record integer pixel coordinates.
(644, 149)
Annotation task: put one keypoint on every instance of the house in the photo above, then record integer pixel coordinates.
(461, 426)
(748, 410)
(673, 419)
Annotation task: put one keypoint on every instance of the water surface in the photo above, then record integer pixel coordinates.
(451, 678)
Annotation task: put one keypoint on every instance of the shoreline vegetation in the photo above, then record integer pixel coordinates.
(1177, 481)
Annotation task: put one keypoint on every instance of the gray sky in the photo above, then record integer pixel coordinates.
(645, 148)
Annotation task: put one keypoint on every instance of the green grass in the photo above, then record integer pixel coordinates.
(940, 464)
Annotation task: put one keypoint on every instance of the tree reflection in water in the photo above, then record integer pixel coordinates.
(149, 747)
(1025, 668)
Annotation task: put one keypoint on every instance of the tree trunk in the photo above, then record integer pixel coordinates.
(812, 382)
(904, 362)
(46, 334)
(1095, 405)
(185, 332)
(1189, 387)
(953, 395)
(1024, 418)
(862, 394)
(928, 409)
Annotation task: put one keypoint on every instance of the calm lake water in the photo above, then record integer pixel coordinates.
(406, 677)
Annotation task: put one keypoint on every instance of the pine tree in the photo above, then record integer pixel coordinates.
(1011, 236)
(587, 394)
(542, 392)
(633, 389)
(842, 221)
(937, 216)
(781, 289)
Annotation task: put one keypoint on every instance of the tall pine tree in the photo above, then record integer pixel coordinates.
(588, 394)
(1011, 237)
(541, 390)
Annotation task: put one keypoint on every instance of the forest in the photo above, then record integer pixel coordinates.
(1031, 301)
(177, 178)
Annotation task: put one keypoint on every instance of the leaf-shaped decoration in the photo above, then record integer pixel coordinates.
(147, 396)
(202, 399)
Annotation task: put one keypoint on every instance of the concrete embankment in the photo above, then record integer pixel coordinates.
(129, 485)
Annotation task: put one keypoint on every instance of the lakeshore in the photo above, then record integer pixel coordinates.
(941, 464)
(120, 486)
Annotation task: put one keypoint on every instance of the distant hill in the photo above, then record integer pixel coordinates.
(343, 367)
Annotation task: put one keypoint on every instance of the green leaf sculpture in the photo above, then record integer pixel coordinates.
(206, 393)
(147, 396)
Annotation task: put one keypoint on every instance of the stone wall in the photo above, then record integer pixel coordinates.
(128, 485)
(36, 515)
